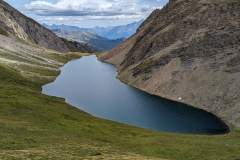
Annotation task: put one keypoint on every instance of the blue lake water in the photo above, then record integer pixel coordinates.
(91, 86)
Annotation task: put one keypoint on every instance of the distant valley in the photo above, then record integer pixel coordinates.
(99, 38)
(187, 52)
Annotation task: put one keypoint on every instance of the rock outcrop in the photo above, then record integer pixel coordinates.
(75, 46)
(189, 51)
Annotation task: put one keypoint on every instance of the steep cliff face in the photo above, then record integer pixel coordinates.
(19, 26)
(189, 52)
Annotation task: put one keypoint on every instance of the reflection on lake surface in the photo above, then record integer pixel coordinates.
(92, 86)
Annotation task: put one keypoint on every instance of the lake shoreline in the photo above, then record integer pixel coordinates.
(229, 126)
(225, 131)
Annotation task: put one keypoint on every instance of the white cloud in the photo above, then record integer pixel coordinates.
(91, 9)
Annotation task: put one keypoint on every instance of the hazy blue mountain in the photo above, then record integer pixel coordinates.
(100, 38)
(123, 31)
(115, 32)
(84, 36)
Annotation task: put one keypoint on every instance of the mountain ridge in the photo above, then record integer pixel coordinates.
(186, 51)
(18, 26)
(111, 33)
(100, 38)
(24, 28)
(93, 40)
(118, 32)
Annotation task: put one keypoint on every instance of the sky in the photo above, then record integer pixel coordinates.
(87, 13)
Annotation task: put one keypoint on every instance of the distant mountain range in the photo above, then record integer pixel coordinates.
(100, 38)
(117, 32)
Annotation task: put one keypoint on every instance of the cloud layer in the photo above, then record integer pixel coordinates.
(91, 9)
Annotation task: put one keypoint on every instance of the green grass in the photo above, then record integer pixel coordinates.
(65, 58)
(37, 126)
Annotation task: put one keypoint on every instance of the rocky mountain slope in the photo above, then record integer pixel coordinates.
(91, 39)
(111, 32)
(16, 25)
(189, 52)
(75, 46)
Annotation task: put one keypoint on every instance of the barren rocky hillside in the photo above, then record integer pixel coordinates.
(16, 25)
(189, 52)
